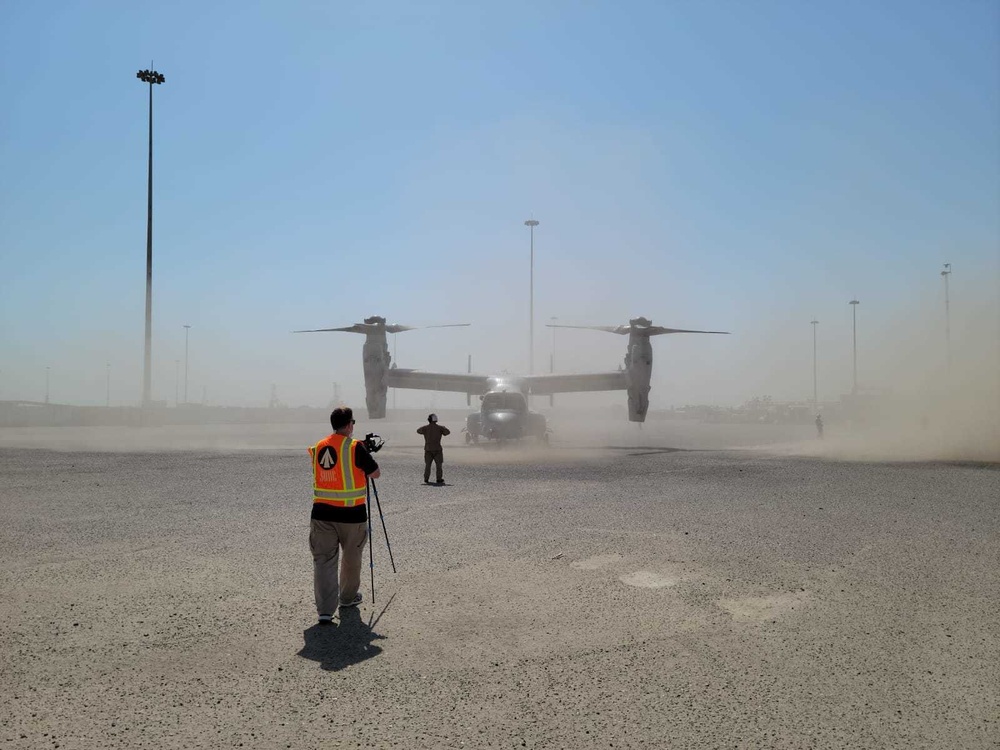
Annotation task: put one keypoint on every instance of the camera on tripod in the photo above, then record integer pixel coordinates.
(373, 442)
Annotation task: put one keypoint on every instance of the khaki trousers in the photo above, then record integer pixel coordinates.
(326, 539)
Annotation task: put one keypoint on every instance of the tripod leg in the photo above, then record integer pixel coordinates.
(371, 557)
(382, 518)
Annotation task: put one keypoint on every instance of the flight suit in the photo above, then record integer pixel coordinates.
(433, 452)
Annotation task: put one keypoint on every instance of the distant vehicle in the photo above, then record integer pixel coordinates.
(504, 412)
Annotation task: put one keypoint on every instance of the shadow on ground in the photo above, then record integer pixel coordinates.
(342, 644)
(645, 450)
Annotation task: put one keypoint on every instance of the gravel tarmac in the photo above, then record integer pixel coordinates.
(683, 586)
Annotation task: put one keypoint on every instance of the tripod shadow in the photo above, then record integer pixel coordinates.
(349, 642)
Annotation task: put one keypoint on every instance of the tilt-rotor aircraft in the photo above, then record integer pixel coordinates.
(504, 412)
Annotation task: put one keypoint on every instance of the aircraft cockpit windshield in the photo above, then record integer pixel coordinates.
(504, 402)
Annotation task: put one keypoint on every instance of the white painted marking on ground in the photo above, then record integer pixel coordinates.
(648, 580)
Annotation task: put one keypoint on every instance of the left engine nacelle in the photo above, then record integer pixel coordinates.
(376, 366)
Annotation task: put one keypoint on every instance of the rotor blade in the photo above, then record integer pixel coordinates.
(641, 330)
(400, 329)
(609, 329)
(657, 330)
(372, 327)
(357, 328)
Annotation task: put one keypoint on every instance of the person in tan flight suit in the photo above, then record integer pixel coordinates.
(433, 432)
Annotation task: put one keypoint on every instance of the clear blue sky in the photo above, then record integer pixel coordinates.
(743, 166)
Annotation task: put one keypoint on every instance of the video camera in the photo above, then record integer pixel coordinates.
(373, 442)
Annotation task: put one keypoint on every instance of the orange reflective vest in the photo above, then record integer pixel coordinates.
(336, 479)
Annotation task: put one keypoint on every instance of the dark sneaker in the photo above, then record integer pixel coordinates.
(440, 481)
(354, 602)
(325, 620)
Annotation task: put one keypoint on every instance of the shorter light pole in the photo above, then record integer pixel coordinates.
(552, 355)
(947, 310)
(815, 397)
(854, 315)
(552, 359)
(187, 330)
(531, 224)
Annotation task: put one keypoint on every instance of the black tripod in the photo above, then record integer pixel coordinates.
(369, 489)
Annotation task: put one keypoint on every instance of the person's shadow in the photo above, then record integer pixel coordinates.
(340, 645)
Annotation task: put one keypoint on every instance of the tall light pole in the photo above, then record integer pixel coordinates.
(815, 397)
(854, 313)
(150, 77)
(187, 330)
(947, 310)
(394, 390)
(531, 224)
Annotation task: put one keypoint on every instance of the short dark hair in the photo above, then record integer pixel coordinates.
(341, 417)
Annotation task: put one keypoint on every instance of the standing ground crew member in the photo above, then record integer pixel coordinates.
(340, 467)
(819, 426)
(433, 432)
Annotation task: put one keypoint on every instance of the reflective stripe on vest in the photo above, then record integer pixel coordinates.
(344, 484)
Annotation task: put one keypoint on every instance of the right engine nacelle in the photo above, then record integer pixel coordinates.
(638, 371)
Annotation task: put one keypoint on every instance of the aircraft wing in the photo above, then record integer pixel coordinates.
(437, 381)
(596, 381)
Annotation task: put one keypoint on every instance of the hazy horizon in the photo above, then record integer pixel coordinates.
(716, 166)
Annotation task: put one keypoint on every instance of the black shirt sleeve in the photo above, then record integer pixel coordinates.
(363, 459)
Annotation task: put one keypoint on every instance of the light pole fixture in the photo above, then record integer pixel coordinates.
(854, 314)
(150, 77)
(815, 397)
(187, 330)
(947, 310)
(531, 224)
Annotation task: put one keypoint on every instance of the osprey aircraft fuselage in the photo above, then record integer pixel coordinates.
(504, 412)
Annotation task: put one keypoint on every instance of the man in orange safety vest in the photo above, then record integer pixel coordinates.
(340, 466)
